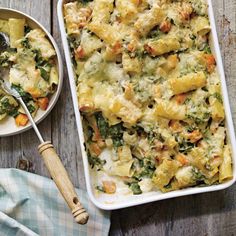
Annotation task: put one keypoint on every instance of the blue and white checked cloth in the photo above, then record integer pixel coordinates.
(32, 205)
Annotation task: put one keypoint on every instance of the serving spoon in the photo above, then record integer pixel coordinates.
(4, 41)
(46, 149)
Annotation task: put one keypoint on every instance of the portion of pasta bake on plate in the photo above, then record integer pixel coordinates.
(149, 94)
(31, 65)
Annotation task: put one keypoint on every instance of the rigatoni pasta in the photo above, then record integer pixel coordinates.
(189, 82)
(16, 30)
(162, 46)
(149, 19)
(149, 94)
(225, 169)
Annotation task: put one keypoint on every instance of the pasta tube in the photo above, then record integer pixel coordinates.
(16, 28)
(216, 103)
(200, 25)
(226, 166)
(171, 110)
(187, 83)
(162, 46)
(149, 20)
(165, 172)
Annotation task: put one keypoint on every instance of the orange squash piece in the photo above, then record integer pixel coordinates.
(109, 187)
(43, 103)
(21, 120)
(182, 159)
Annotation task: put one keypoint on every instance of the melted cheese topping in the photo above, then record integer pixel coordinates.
(149, 92)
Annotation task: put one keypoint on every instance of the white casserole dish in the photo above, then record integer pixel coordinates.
(8, 126)
(117, 201)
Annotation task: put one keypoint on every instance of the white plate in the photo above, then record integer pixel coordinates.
(116, 201)
(8, 126)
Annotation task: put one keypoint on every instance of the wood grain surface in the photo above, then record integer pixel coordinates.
(205, 214)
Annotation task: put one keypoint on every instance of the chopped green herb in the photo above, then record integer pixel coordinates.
(25, 43)
(147, 169)
(44, 74)
(185, 147)
(42, 65)
(14, 113)
(155, 33)
(206, 49)
(116, 133)
(199, 119)
(73, 42)
(117, 142)
(187, 100)
(100, 188)
(96, 161)
(198, 175)
(135, 188)
(218, 97)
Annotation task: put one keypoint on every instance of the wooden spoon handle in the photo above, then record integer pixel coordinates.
(63, 182)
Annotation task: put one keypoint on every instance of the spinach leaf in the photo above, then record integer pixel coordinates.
(185, 147)
(135, 188)
(96, 161)
(206, 48)
(199, 118)
(102, 124)
(218, 97)
(25, 43)
(100, 188)
(44, 73)
(14, 112)
(147, 169)
(73, 42)
(31, 108)
(26, 96)
(114, 132)
(7, 107)
(42, 65)
(198, 176)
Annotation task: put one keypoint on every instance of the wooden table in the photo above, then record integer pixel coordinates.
(205, 214)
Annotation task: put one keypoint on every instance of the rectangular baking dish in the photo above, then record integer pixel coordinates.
(112, 202)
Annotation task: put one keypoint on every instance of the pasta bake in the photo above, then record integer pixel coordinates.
(149, 94)
(30, 63)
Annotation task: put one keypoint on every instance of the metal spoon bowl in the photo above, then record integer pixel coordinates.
(4, 41)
